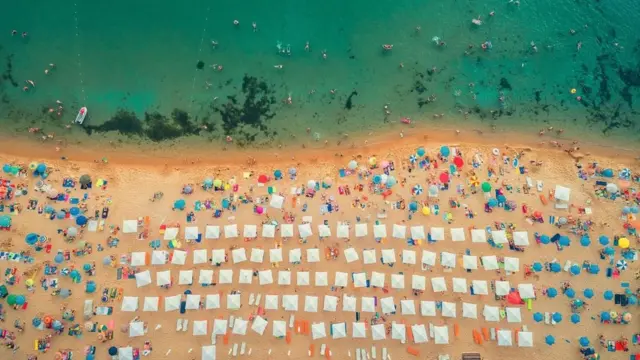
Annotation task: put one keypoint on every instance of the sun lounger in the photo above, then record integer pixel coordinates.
(257, 301)
(323, 349)
(567, 265)
(547, 318)
(373, 352)
(252, 299)
(492, 331)
(235, 350)
(358, 355)
(88, 309)
(243, 348)
(384, 353)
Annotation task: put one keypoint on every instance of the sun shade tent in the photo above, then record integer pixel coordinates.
(511, 264)
(448, 259)
(459, 285)
(185, 277)
(192, 302)
(388, 256)
(427, 308)
(271, 302)
(505, 338)
(448, 309)
(349, 303)
(225, 276)
(279, 328)
(525, 339)
(419, 333)
(428, 258)
(218, 256)
(457, 234)
(295, 255)
(265, 277)
(469, 310)
(200, 256)
(499, 236)
(286, 230)
(387, 305)
(158, 257)
(191, 233)
(351, 255)
(240, 326)
(208, 352)
(441, 335)
(143, 278)
(220, 326)
(358, 330)
(284, 277)
(397, 281)
(480, 287)
(171, 233)
(417, 232)
(233, 301)
(399, 231)
(380, 231)
(231, 231)
(250, 231)
(398, 331)
(151, 303)
(407, 307)
(318, 331)
(490, 262)
(562, 193)
(341, 279)
(339, 331)
(238, 255)
(330, 303)
(438, 284)
(491, 313)
(342, 231)
(478, 236)
(360, 280)
(437, 233)
(470, 262)
(275, 255)
(290, 302)
(502, 288)
(245, 277)
(129, 304)
(163, 278)
(138, 258)
(418, 282)
(302, 278)
(212, 301)
(259, 325)
(513, 315)
(313, 255)
(125, 353)
(324, 230)
(521, 238)
(305, 230)
(362, 230)
(378, 332)
(212, 232)
(408, 257)
(277, 201)
(367, 304)
(136, 328)
(200, 327)
(179, 257)
(172, 303)
(526, 291)
(311, 303)
(321, 278)
(268, 231)
(369, 256)
(377, 279)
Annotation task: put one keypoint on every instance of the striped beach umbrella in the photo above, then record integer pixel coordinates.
(413, 159)
(417, 189)
(621, 265)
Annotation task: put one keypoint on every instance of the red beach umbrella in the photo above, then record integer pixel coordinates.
(263, 179)
(444, 177)
(458, 161)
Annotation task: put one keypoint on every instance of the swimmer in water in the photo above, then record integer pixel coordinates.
(254, 25)
(324, 54)
(279, 66)
(14, 32)
(236, 22)
(307, 47)
(25, 34)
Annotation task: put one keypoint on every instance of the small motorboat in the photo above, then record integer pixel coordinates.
(81, 115)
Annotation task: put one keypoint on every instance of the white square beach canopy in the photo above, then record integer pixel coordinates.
(269, 231)
(438, 284)
(286, 230)
(513, 315)
(220, 326)
(448, 259)
(257, 255)
(271, 302)
(136, 329)
(369, 256)
(339, 331)
(398, 331)
(499, 236)
(238, 255)
(419, 333)
(330, 303)
(427, 308)
(469, 310)
(218, 256)
(130, 226)
(225, 276)
(491, 313)
(125, 353)
(399, 231)
(526, 291)
(185, 277)
(284, 277)
(158, 257)
(171, 233)
(295, 255)
(562, 193)
(380, 231)
(276, 201)
(437, 233)
(459, 285)
(191, 233)
(245, 277)
(457, 234)
(318, 331)
(302, 278)
(417, 232)
(377, 279)
(279, 328)
(212, 232)
(179, 257)
(265, 277)
(521, 238)
(212, 301)
(349, 303)
(172, 303)
(305, 230)
(259, 325)
(275, 255)
(143, 278)
(233, 301)
(138, 258)
(208, 352)
(324, 230)
(193, 302)
(478, 236)
(490, 262)
(360, 280)
(367, 304)
(129, 304)
(321, 278)
(351, 255)
(378, 332)
(387, 305)
(388, 256)
(428, 258)
(480, 287)
(525, 339)
(313, 255)
(290, 302)
(151, 303)
(502, 288)
(163, 278)
(418, 282)
(511, 264)
(200, 327)
(407, 307)
(397, 281)
(342, 231)
(358, 330)
(441, 335)
(362, 230)
(505, 338)
(200, 256)
(240, 326)
(311, 303)
(250, 231)
(470, 262)
(231, 231)
(408, 257)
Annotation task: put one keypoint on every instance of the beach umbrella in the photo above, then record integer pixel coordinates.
(81, 220)
(552, 292)
(564, 241)
(106, 260)
(623, 243)
(557, 317)
(57, 325)
(65, 293)
(72, 231)
(550, 340)
(420, 151)
(217, 183)
(588, 293)
(179, 204)
(594, 269)
(433, 190)
(74, 211)
(74, 274)
(263, 179)
(612, 188)
(632, 300)
(413, 206)
(555, 267)
(413, 159)
(545, 239)
(20, 300)
(384, 164)
(61, 215)
(585, 241)
(537, 266)
(570, 293)
(113, 351)
(5, 221)
(575, 318)
(634, 209)
(486, 187)
(605, 316)
(538, 317)
(40, 169)
(36, 321)
(453, 169)
(608, 295)
(444, 177)
(353, 165)
(458, 162)
(59, 258)
(86, 267)
(417, 189)
(608, 250)
(293, 171)
(575, 269)
(311, 184)
(603, 240)
(187, 189)
(11, 299)
(584, 341)
(90, 287)
(492, 202)
(85, 180)
(226, 203)
(562, 220)
(621, 264)
(377, 179)
(373, 161)
(31, 239)
(444, 151)
(391, 180)
(49, 209)
(208, 183)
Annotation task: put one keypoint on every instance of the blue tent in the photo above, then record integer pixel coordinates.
(570, 293)
(603, 240)
(564, 241)
(575, 269)
(538, 317)
(557, 317)
(585, 241)
(608, 295)
(555, 267)
(550, 340)
(594, 269)
(420, 151)
(575, 318)
(588, 293)
(545, 239)
(552, 292)
(537, 266)
(584, 341)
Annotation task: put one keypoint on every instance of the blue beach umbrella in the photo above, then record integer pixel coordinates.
(549, 340)
(537, 267)
(179, 204)
(545, 239)
(59, 258)
(420, 151)
(49, 209)
(278, 174)
(444, 151)
(90, 356)
(492, 202)
(603, 240)
(575, 269)
(81, 220)
(557, 317)
(391, 180)
(113, 351)
(632, 300)
(605, 316)
(377, 179)
(74, 211)
(208, 183)
(608, 295)
(106, 260)
(621, 264)
(293, 171)
(570, 293)
(90, 287)
(61, 215)
(20, 300)
(31, 239)
(584, 341)
(226, 203)
(538, 317)
(555, 267)
(36, 321)
(413, 206)
(609, 250)
(86, 267)
(585, 241)
(564, 241)
(588, 293)
(552, 292)
(594, 269)
(40, 169)
(575, 318)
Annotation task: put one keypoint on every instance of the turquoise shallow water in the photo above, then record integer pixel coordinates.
(141, 57)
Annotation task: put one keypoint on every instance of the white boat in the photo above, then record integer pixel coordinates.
(81, 115)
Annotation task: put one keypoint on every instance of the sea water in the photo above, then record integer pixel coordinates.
(149, 69)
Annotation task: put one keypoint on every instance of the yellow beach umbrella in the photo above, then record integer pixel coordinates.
(426, 210)
(373, 161)
(623, 243)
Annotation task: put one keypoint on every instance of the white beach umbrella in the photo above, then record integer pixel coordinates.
(130, 226)
(238, 255)
(250, 231)
(240, 326)
(257, 255)
(398, 331)
(295, 255)
(191, 233)
(448, 309)
(369, 256)
(459, 285)
(367, 304)
(179, 257)
(505, 338)
(490, 262)
(200, 327)
(208, 352)
(511, 264)
(163, 278)
(286, 230)
(380, 231)
(302, 278)
(125, 353)
(225, 276)
(218, 256)
(502, 288)
(388, 256)
(448, 259)
(441, 335)
(351, 255)
(231, 231)
(185, 277)
(265, 277)
(349, 303)
(276, 201)
(408, 257)
(284, 277)
(419, 333)
(342, 231)
(138, 258)
(480, 287)
(172, 303)
(129, 303)
(311, 303)
(377, 279)
(171, 233)
(499, 236)
(268, 231)
(378, 332)
(271, 302)
(259, 325)
(304, 230)
(233, 301)
(290, 302)
(526, 291)
(417, 232)
(151, 303)
(513, 315)
(478, 236)
(491, 313)
(457, 234)
(212, 232)
(397, 281)
(387, 305)
(275, 255)
(192, 302)
(399, 231)
(339, 331)
(469, 310)
(219, 327)
(418, 282)
(321, 278)
(324, 230)
(438, 284)
(279, 328)
(245, 277)
(159, 257)
(470, 262)
(330, 303)
(407, 307)
(525, 339)
(362, 230)
(358, 330)
(200, 256)
(313, 255)
(427, 308)
(143, 278)
(437, 233)
(428, 258)
(212, 301)
(318, 331)
(136, 328)
(360, 280)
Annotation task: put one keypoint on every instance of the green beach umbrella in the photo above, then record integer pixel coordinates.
(486, 187)
(11, 299)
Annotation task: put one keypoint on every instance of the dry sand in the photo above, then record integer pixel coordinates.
(132, 181)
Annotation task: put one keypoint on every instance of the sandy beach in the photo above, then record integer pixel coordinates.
(350, 189)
